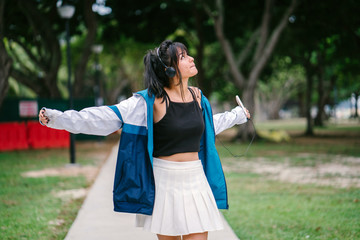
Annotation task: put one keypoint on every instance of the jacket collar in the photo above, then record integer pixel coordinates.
(149, 99)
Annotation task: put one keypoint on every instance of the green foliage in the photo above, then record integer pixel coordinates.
(348, 82)
(216, 73)
(330, 44)
(131, 19)
(123, 61)
(16, 89)
(316, 32)
(285, 76)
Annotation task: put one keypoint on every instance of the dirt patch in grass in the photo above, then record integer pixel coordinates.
(98, 151)
(89, 172)
(337, 171)
(330, 158)
(71, 194)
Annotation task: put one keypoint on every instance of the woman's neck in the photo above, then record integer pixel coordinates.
(177, 92)
(175, 88)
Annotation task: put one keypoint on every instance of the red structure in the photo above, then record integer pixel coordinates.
(24, 135)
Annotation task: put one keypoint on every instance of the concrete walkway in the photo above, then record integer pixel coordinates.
(96, 219)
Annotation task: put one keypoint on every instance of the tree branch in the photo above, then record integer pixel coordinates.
(51, 61)
(17, 60)
(238, 78)
(207, 9)
(5, 60)
(270, 45)
(24, 79)
(31, 15)
(264, 30)
(30, 54)
(247, 50)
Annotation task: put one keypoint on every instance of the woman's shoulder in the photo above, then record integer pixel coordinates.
(196, 91)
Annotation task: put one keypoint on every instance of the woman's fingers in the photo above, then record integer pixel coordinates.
(44, 120)
(247, 113)
(42, 117)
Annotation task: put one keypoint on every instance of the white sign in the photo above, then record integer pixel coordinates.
(28, 109)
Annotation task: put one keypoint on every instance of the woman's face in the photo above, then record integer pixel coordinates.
(186, 65)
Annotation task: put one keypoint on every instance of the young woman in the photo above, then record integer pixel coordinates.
(168, 171)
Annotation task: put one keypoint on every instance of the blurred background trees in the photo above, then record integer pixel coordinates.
(277, 55)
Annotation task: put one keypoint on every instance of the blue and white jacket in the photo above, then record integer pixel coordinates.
(134, 188)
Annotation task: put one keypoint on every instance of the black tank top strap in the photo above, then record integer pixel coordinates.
(167, 99)
(194, 97)
(192, 93)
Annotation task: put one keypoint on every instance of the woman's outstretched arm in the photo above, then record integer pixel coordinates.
(93, 120)
(225, 120)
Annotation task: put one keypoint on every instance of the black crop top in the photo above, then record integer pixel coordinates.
(181, 128)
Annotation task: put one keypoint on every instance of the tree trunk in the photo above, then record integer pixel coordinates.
(323, 93)
(356, 114)
(249, 103)
(301, 105)
(274, 111)
(309, 125)
(91, 23)
(318, 121)
(5, 60)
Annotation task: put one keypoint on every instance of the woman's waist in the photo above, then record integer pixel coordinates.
(189, 161)
(181, 157)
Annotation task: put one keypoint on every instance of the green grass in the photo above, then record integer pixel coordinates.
(340, 127)
(287, 125)
(262, 208)
(269, 149)
(28, 205)
(300, 125)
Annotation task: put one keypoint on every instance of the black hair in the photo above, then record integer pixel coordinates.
(154, 75)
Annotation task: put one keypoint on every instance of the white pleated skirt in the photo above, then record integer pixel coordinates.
(184, 202)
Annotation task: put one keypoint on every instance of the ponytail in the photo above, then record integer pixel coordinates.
(154, 75)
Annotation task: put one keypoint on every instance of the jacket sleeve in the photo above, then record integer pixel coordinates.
(100, 121)
(223, 121)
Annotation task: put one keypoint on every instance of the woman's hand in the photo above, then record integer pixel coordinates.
(42, 118)
(247, 113)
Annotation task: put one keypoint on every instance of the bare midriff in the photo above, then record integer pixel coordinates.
(181, 157)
